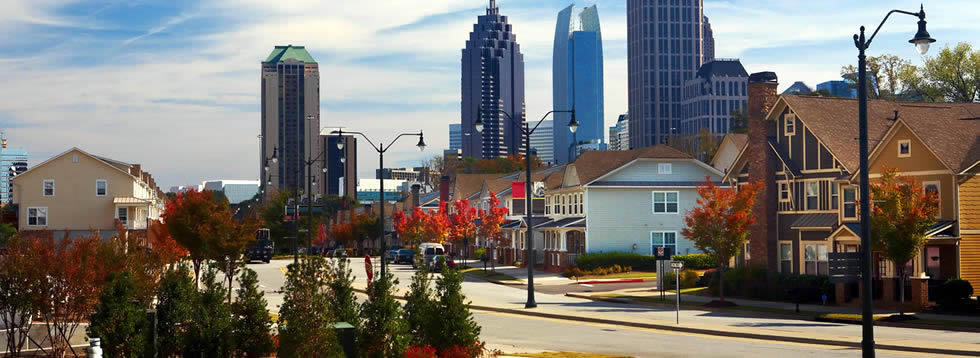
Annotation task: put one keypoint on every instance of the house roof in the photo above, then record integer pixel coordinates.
(562, 223)
(949, 129)
(653, 183)
(815, 221)
(468, 184)
(722, 67)
(593, 164)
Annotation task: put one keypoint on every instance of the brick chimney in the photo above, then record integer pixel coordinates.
(444, 188)
(415, 194)
(762, 164)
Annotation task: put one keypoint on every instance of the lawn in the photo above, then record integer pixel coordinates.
(488, 275)
(646, 275)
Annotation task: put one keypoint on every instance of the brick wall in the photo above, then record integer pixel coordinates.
(762, 165)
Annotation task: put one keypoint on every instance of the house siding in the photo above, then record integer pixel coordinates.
(969, 193)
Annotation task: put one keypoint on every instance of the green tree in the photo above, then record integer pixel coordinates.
(210, 331)
(304, 317)
(343, 303)
(251, 326)
(175, 308)
(421, 310)
(119, 320)
(7, 232)
(740, 122)
(382, 333)
(951, 76)
(884, 76)
(456, 324)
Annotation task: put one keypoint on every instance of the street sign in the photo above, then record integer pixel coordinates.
(844, 267)
(660, 253)
(677, 265)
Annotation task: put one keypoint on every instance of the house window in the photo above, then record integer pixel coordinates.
(784, 192)
(581, 203)
(123, 215)
(37, 216)
(815, 259)
(790, 124)
(932, 188)
(101, 187)
(904, 148)
(74, 158)
(48, 187)
(664, 168)
(812, 195)
(547, 205)
(833, 196)
(786, 257)
(554, 202)
(665, 202)
(665, 239)
(850, 206)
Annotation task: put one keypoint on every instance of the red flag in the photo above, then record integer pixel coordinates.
(517, 189)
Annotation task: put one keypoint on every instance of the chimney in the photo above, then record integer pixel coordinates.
(762, 166)
(415, 194)
(444, 188)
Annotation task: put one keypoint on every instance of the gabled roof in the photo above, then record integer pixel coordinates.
(739, 140)
(289, 52)
(466, 185)
(108, 162)
(594, 164)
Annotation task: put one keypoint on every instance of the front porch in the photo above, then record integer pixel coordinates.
(564, 240)
(134, 213)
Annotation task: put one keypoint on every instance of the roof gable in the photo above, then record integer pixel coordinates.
(79, 151)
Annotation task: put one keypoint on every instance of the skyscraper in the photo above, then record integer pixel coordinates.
(718, 89)
(493, 78)
(290, 117)
(709, 41)
(341, 176)
(542, 141)
(576, 74)
(619, 134)
(455, 136)
(665, 46)
(13, 162)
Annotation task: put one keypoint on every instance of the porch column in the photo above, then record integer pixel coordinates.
(564, 240)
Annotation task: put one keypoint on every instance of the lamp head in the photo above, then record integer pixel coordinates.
(324, 170)
(275, 155)
(421, 143)
(922, 40)
(478, 125)
(573, 124)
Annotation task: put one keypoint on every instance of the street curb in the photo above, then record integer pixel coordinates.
(901, 325)
(595, 282)
(517, 283)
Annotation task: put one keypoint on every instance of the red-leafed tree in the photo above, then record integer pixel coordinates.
(321, 235)
(462, 224)
(490, 221)
(163, 245)
(194, 219)
(719, 224)
(411, 229)
(436, 226)
(900, 217)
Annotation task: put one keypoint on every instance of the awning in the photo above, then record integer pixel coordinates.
(129, 201)
(815, 221)
(939, 227)
(563, 223)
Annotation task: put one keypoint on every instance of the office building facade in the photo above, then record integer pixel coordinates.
(838, 88)
(13, 162)
(492, 80)
(290, 117)
(409, 174)
(709, 41)
(455, 136)
(619, 134)
(542, 141)
(577, 80)
(236, 191)
(665, 48)
(341, 176)
(717, 90)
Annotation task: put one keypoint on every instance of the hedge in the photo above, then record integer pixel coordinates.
(954, 294)
(758, 283)
(592, 261)
(696, 261)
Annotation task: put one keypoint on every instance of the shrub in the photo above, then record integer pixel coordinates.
(480, 253)
(209, 332)
(953, 293)
(457, 327)
(689, 278)
(119, 320)
(592, 261)
(758, 283)
(306, 302)
(696, 261)
(421, 313)
(573, 271)
(343, 304)
(175, 308)
(421, 352)
(250, 325)
(383, 334)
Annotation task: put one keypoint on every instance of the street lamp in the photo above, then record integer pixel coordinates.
(381, 149)
(526, 130)
(921, 40)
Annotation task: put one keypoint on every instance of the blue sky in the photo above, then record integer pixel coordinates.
(174, 84)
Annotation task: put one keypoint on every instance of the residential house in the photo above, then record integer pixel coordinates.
(79, 192)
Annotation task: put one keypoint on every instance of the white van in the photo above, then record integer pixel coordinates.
(429, 251)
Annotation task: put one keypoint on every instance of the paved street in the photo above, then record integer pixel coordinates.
(512, 331)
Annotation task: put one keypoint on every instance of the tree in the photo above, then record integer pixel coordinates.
(952, 76)
(196, 222)
(436, 226)
(250, 323)
(343, 303)
(462, 224)
(164, 246)
(306, 309)
(272, 212)
(900, 217)
(119, 320)
(19, 274)
(740, 121)
(410, 229)
(457, 326)
(421, 314)
(719, 224)
(210, 331)
(366, 228)
(233, 237)
(7, 232)
(702, 146)
(175, 308)
(490, 221)
(382, 333)
(884, 76)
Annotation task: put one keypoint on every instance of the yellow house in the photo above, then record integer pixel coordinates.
(77, 191)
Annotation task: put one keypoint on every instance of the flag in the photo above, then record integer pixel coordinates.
(517, 190)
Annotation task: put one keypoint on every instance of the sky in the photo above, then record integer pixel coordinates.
(175, 84)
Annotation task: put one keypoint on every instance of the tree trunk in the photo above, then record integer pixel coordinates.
(901, 290)
(721, 282)
(230, 276)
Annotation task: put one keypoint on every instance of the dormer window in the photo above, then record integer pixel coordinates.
(904, 148)
(664, 168)
(789, 128)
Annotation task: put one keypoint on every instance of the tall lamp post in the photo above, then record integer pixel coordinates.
(921, 40)
(526, 130)
(381, 149)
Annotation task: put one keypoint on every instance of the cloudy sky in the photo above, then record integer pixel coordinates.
(174, 84)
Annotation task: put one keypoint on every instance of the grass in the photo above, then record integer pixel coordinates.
(564, 355)
(850, 316)
(690, 290)
(488, 275)
(635, 274)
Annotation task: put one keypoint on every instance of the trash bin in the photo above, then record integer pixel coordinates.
(345, 335)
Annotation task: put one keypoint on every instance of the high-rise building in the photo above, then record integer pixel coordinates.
(576, 74)
(236, 191)
(409, 174)
(455, 136)
(718, 89)
(542, 141)
(290, 117)
(493, 79)
(619, 134)
(665, 48)
(341, 175)
(709, 41)
(13, 162)
(838, 88)
(798, 87)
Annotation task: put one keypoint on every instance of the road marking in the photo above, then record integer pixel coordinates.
(585, 285)
(283, 270)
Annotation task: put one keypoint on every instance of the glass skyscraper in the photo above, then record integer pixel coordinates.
(12, 163)
(542, 141)
(577, 80)
(665, 47)
(492, 79)
(455, 136)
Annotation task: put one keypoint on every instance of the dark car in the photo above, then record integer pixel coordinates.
(261, 251)
(443, 261)
(391, 255)
(405, 256)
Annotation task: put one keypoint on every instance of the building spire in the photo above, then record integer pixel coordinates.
(492, 10)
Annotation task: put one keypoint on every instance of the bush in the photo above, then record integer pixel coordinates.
(457, 328)
(688, 279)
(119, 321)
(572, 271)
(480, 253)
(696, 261)
(343, 304)
(175, 308)
(383, 334)
(250, 325)
(954, 293)
(592, 261)
(306, 308)
(209, 332)
(421, 313)
(758, 283)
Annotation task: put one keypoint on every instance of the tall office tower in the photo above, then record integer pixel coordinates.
(341, 176)
(13, 162)
(455, 136)
(619, 134)
(493, 79)
(665, 46)
(542, 142)
(718, 89)
(709, 41)
(576, 74)
(290, 117)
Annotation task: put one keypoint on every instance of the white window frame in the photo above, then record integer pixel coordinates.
(834, 196)
(845, 203)
(36, 216)
(105, 183)
(898, 148)
(125, 221)
(939, 193)
(789, 124)
(547, 205)
(665, 168)
(807, 195)
(784, 257)
(816, 259)
(784, 189)
(44, 183)
(677, 202)
(663, 241)
(581, 203)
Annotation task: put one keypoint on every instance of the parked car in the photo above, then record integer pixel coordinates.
(390, 255)
(405, 256)
(261, 251)
(430, 251)
(443, 261)
(337, 253)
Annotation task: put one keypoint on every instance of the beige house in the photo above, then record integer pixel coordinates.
(77, 191)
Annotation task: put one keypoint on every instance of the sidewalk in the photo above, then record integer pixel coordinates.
(540, 277)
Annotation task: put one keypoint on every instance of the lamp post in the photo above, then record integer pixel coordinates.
(381, 149)
(526, 130)
(921, 40)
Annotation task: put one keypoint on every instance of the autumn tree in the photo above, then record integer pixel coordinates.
(194, 220)
(462, 224)
(232, 238)
(436, 228)
(490, 221)
(168, 251)
(411, 229)
(19, 274)
(718, 225)
(900, 217)
(884, 76)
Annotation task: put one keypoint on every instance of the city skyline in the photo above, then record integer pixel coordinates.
(577, 80)
(184, 71)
